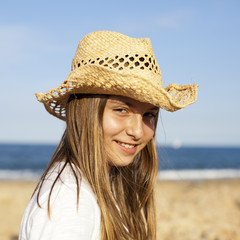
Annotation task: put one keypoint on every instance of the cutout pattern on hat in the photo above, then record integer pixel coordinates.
(121, 62)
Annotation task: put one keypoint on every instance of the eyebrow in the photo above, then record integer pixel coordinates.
(154, 109)
(130, 104)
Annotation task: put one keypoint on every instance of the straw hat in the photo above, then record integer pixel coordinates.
(111, 63)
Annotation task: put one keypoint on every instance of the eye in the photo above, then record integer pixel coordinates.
(120, 110)
(150, 115)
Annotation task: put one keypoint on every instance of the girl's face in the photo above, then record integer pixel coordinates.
(128, 125)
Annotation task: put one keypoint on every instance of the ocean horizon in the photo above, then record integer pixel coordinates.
(27, 162)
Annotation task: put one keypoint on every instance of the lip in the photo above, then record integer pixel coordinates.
(125, 149)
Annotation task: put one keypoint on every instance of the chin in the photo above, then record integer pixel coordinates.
(121, 162)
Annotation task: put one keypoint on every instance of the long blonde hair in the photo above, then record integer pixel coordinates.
(125, 194)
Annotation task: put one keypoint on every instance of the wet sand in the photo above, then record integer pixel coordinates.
(186, 210)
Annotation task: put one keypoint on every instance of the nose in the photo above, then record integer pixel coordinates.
(135, 127)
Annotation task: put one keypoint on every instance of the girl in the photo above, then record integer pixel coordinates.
(100, 181)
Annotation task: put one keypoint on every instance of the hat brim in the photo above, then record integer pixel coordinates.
(94, 79)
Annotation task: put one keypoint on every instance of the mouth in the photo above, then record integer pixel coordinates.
(127, 147)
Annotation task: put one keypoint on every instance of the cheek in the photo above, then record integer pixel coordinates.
(149, 133)
(112, 126)
(150, 123)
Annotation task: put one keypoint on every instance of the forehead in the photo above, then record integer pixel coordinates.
(130, 102)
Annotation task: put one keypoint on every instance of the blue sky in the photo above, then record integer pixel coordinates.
(194, 42)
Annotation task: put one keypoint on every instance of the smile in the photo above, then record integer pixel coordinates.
(126, 145)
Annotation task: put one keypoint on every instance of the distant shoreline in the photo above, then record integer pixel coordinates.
(172, 175)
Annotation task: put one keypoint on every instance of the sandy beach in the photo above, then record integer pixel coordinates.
(186, 210)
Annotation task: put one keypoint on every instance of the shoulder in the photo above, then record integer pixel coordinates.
(68, 220)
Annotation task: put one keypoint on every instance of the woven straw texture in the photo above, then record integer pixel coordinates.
(112, 63)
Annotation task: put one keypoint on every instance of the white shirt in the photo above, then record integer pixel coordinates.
(67, 221)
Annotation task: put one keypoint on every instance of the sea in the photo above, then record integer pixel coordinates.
(28, 161)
